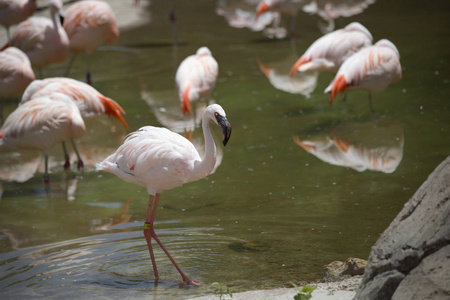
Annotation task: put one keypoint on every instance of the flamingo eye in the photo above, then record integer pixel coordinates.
(216, 114)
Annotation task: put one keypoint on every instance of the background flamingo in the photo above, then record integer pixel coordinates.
(42, 39)
(331, 50)
(159, 160)
(196, 76)
(42, 123)
(15, 11)
(15, 74)
(371, 69)
(90, 102)
(88, 25)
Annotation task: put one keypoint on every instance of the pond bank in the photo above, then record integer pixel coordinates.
(342, 290)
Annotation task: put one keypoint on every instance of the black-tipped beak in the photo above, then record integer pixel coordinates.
(61, 18)
(226, 128)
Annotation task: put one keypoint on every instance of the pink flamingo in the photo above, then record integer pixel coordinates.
(89, 24)
(159, 160)
(331, 50)
(196, 76)
(42, 39)
(90, 102)
(15, 74)
(41, 124)
(15, 11)
(372, 69)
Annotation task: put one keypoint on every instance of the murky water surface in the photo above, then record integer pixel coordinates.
(298, 185)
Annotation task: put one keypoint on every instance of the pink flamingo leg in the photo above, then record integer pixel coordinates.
(148, 236)
(151, 232)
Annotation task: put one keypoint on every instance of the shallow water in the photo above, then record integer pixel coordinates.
(284, 199)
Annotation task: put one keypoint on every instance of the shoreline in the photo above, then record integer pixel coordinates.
(339, 290)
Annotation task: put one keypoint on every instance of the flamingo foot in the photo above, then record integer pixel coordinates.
(46, 179)
(80, 164)
(67, 162)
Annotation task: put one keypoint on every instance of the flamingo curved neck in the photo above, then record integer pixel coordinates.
(205, 167)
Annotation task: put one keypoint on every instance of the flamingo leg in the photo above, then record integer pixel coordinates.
(80, 161)
(88, 74)
(46, 176)
(148, 236)
(152, 233)
(72, 58)
(66, 156)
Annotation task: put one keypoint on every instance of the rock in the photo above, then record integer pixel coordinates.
(410, 260)
(338, 270)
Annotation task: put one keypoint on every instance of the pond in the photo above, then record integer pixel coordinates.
(284, 200)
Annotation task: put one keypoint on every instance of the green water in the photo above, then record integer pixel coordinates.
(272, 212)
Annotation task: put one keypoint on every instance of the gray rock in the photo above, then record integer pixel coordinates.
(407, 252)
(339, 270)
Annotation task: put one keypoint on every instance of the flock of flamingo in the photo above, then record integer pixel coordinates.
(54, 110)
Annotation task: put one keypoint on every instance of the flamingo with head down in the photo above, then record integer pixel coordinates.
(41, 124)
(331, 50)
(90, 102)
(371, 69)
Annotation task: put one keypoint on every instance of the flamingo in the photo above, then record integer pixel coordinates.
(15, 74)
(372, 69)
(15, 11)
(331, 50)
(159, 160)
(91, 103)
(41, 124)
(196, 76)
(42, 39)
(89, 24)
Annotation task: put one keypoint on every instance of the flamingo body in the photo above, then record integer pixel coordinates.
(90, 102)
(331, 50)
(15, 72)
(196, 76)
(15, 11)
(42, 123)
(89, 24)
(42, 39)
(160, 159)
(372, 69)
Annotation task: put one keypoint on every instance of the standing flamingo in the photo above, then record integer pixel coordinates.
(15, 11)
(372, 69)
(41, 124)
(90, 102)
(159, 160)
(89, 24)
(196, 76)
(43, 40)
(15, 74)
(331, 50)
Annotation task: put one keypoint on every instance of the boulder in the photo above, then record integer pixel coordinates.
(410, 260)
(339, 270)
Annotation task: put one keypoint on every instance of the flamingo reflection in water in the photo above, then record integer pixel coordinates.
(242, 14)
(330, 10)
(159, 160)
(372, 146)
(277, 73)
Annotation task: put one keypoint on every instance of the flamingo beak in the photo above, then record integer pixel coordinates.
(262, 9)
(226, 128)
